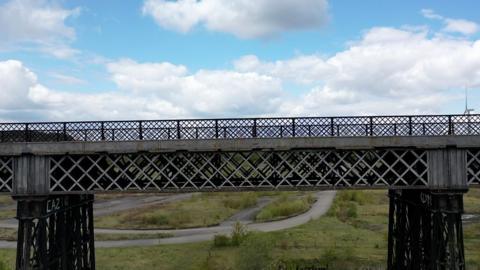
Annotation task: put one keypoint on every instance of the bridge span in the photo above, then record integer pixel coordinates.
(426, 162)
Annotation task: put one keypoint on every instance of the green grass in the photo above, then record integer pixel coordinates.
(284, 207)
(6, 200)
(8, 234)
(349, 237)
(129, 236)
(201, 210)
(10, 213)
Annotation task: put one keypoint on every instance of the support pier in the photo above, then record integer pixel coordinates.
(425, 230)
(55, 232)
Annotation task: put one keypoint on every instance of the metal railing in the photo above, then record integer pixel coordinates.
(239, 128)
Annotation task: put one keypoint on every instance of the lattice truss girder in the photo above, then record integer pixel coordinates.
(239, 170)
(473, 166)
(6, 174)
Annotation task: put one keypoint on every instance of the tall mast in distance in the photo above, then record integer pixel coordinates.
(467, 110)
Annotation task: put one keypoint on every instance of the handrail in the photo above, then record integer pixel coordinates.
(240, 128)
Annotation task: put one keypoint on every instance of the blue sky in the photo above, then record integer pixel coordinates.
(82, 60)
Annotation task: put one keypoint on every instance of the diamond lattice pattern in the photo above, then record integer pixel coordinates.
(203, 171)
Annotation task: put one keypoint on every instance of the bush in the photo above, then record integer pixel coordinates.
(352, 210)
(221, 240)
(345, 205)
(359, 197)
(283, 207)
(239, 233)
(158, 220)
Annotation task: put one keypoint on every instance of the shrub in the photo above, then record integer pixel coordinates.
(158, 220)
(239, 233)
(359, 197)
(283, 207)
(221, 240)
(352, 210)
(311, 199)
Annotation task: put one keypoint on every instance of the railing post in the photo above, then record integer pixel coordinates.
(293, 127)
(450, 125)
(65, 131)
(371, 126)
(102, 130)
(27, 133)
(410, 131)
(216, 128)
(254, 129)
(332, 129)
(178, 130)
(140, 130)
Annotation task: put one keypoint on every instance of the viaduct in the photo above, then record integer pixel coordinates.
(426, 162)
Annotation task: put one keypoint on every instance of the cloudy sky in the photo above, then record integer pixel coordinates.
(155, 59)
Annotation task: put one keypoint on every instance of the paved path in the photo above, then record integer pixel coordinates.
(320, 207)
(105, 207)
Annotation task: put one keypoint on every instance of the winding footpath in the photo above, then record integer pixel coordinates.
(180, 236)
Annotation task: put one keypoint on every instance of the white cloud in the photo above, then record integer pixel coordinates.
(387, 71)
(206, 92)
(303, 69)
(67, 79)
(430, 14)
(37, 23)
(146, 91)
(17, 82)
(461, 26)
(243, 18)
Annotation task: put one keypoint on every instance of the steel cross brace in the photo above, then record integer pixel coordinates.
(55, 232)
(425, 230)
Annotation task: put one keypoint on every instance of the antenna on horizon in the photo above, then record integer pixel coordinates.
(467, 110)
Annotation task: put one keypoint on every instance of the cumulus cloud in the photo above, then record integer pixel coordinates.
(23, 98)
(206, 92)
(243, 18)
(462, 26)
(66, 79)
(38, 23)
(17, 82)
(146, 91)
(386, 71)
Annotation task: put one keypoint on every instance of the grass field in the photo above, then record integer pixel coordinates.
(353, 235)
(205, 209)
(285, 206)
